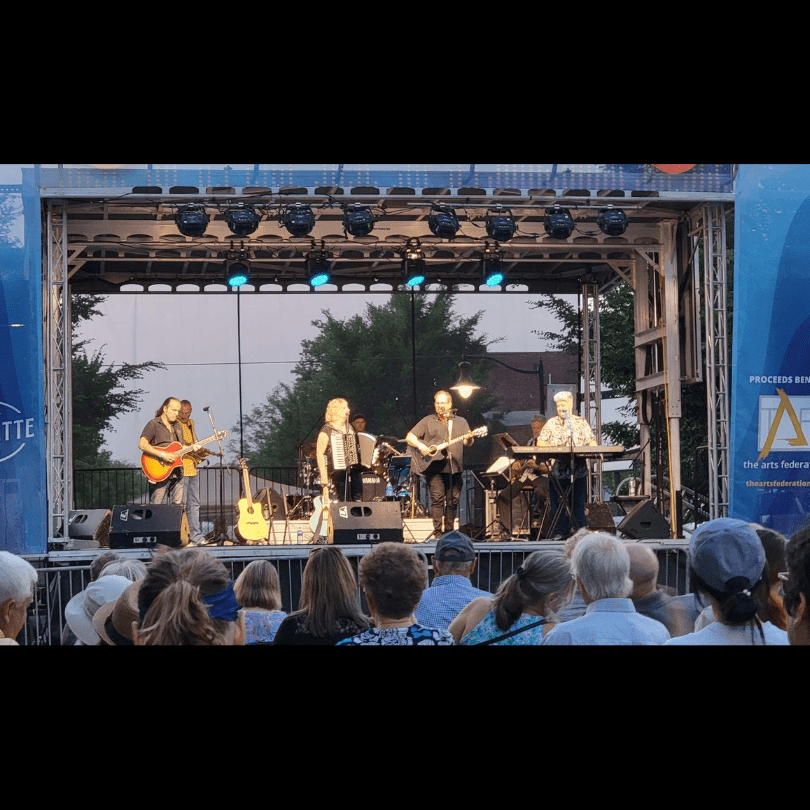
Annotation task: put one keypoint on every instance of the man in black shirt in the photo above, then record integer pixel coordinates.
(442, 472)
(162, 431)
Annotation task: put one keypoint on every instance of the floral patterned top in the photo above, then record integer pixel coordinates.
(261, 627)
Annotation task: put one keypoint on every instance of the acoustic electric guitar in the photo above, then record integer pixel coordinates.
(156, 471)
(251, 526)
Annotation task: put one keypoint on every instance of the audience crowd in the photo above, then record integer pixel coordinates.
(751, 587)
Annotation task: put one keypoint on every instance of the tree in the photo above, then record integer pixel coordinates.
(100, 391)
(368, 360)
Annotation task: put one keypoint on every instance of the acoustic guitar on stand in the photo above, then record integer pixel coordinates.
(156, 471)
(251, 526)
(436, 452)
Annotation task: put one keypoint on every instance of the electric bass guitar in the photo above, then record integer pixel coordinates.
(251, 526)
(156, 471)
(436, 452)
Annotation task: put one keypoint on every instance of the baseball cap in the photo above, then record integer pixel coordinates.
(726, 549)
(455, 547)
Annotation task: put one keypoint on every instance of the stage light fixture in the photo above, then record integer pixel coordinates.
(192, 220)
(559, 223)
(501, 225)
(443, 222)
(298, 219)
(358, 220)
(413, 264)
(494, 271)
(237, 272)
(612, 221)
(242, 219)
(319, 270)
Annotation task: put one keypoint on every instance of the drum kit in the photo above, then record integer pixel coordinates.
(385, 470)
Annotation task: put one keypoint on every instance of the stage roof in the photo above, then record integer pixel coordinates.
(122, 236)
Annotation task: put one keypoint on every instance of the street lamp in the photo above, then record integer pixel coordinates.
(465, 387)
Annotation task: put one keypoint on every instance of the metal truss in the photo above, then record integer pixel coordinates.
(58, 401)
(715, 292)
(592, 374)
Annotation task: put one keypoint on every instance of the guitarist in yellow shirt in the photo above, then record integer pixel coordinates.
(191, 483)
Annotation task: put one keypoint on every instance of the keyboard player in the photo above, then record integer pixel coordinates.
(338, 455)
(567, 430)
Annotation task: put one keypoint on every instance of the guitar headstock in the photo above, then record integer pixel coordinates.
(243, 464)
(479, 433)
(220, 435)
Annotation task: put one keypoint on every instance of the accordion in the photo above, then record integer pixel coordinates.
(350, 450)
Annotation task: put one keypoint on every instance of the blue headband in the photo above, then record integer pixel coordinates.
(222, 605)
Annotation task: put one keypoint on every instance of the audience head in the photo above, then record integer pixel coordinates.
(81, 610)
(601, 564)
(258, 586)
(775, 544)
(455, 555)
(571, 542)
(133, 570)
(393, 576)
(18, 580)
(797, 588)
(542, 584)
(101, 562)
(329, 592)
(727, 562)
(644, 568)
(113, 621)
(187, 599)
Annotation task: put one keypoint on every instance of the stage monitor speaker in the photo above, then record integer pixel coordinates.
(599, 518)
(149, 525)
(274, 506)
(645, 522)
(90, 527)
(361, 523)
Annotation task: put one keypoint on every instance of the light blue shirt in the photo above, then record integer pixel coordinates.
(609, 622)
(444, 599)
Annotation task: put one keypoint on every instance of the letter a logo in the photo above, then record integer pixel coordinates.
(785, 406)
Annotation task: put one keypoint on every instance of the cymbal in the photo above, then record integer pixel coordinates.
(307, 448)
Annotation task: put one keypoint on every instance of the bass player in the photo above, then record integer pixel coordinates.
(443, 476)
(164, 429)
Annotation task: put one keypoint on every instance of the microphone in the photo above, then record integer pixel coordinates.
(207, 408)
(570, 428)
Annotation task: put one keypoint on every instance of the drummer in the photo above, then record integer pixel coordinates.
(359, 422)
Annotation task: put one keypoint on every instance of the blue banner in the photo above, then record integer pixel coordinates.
(770, 415)
(23, 487)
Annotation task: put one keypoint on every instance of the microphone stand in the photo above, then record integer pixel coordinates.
(223, 535)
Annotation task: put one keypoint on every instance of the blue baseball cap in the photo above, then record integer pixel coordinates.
(725, 549)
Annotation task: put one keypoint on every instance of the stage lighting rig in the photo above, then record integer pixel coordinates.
(443, 222)
(559, 223)
(612, 221)
(298, 219)
(501, 225)
(242, 219)
(358, 220)
(192, 220)
(413, 264)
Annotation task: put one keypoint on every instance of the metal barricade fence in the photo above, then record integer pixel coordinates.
(63, 575)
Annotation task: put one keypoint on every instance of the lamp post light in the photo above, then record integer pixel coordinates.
(465, 387)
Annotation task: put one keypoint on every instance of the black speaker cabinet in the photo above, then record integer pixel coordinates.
(147, 525)
(373, 486)
(645, 522)
(361, 523)
(90, 524)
